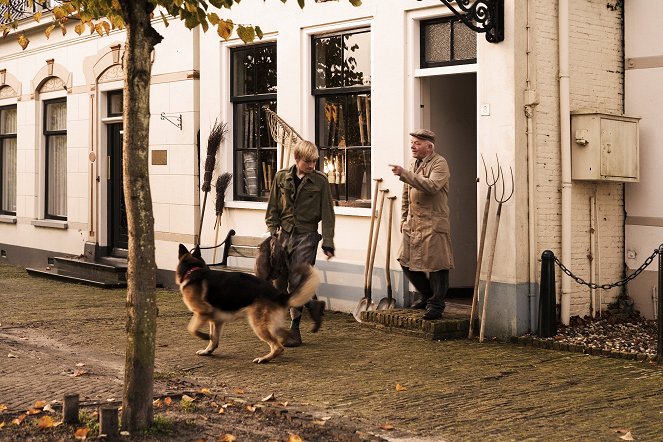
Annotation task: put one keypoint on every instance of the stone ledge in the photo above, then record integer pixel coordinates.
(408, 321)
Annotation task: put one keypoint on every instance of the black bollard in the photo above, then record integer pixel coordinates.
(547, 296)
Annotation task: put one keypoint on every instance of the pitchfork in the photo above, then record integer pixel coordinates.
(486, 210)
(499, 200)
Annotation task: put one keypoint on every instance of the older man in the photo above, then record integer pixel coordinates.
(426, 255)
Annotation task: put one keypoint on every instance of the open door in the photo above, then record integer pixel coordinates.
(118, 240)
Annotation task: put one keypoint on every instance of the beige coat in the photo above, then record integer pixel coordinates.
(425, 225)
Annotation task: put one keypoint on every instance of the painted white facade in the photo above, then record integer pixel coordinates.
(514, 79)
(643, 28)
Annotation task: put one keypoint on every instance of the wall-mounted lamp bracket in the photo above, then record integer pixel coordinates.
(482, 16)
(176, 119)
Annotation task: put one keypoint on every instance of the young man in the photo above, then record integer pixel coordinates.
(426, 246)
(299, 200)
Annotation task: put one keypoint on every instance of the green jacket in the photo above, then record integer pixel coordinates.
(312, 204)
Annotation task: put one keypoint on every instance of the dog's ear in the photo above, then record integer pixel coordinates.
(196, 253)
(183, 251)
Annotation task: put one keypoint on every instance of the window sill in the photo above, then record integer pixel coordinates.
(49, 223)
(8, 219)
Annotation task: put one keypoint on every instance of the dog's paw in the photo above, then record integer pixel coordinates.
(261, 360)
(204, 352)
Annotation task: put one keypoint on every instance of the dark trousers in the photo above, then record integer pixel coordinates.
(301, 248)
(433, 288)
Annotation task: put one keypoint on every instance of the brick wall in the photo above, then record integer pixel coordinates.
(596, 83)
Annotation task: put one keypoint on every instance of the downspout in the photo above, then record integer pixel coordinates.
(565, 145)
(530, 101)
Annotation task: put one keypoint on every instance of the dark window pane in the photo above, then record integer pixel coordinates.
(357, 59)
(358, 175)
(328, 62)
(243, 64)
(331, 124)
(114, 104)
(266, 69)
(56, 116)
(358, 125)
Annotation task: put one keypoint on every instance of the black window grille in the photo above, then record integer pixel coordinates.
(253, 86)
(341, 79)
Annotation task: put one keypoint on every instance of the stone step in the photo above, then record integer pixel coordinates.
(454, 323)
(107, 272)
(53, 273)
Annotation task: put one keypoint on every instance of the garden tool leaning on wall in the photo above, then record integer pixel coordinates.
(484, 223)
(491, 257)
(389, 302)
(366, 304)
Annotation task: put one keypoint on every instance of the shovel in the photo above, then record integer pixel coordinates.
(365, 303)
(389, 302)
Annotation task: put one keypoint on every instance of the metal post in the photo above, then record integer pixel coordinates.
(547, 296)
(659, 350)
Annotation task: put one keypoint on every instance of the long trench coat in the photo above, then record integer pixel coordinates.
(425, 223)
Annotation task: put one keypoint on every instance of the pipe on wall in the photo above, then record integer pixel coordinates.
(565, 146)
(592, 255)
(531, 101)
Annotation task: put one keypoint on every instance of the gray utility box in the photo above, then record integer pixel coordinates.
(604, 147)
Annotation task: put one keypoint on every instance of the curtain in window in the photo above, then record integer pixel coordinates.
(9, 175)
(57, 175)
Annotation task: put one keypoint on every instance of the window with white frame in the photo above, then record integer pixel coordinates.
(341, 79)
(253, 87)
(55, 133)
(8, 160)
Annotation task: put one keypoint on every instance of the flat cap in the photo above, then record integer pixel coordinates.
(424, 134)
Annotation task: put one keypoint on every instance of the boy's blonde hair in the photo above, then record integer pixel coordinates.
(307, 151)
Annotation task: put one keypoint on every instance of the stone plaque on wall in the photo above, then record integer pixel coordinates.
(159, 157)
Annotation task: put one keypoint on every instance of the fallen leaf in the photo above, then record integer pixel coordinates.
(239, 391)
(81, 433)
(78, 373)
(157, 403)
(11, 356)
(214, 404)
(3, 407)
(48, 408)
(294, 438)
(2, 425)
(32, 411)
(205, 391)
(222, 410)
(620, 430)
(627, 436)
(269, 397)
(125, 433)
(45, 422)
(399, 387)
(187, 398)
(19, 420)
(251, 408)
(80, 364)
(227, 438)
(387, 426)
(168, 400)
(283, 404)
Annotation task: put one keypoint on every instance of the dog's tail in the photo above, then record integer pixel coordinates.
(309, 281)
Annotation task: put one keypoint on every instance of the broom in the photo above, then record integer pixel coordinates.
(216, 136)
(221, 186)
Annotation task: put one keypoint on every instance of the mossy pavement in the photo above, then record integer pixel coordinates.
(67, 338)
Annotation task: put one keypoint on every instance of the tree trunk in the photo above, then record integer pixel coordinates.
(137, 411)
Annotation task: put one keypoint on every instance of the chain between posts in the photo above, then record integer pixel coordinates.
(593, 285)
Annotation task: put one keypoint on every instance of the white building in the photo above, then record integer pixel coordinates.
(356, 81)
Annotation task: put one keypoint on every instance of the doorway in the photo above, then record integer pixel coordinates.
(117, 220)
(450, 111)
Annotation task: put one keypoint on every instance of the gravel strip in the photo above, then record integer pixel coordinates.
(631, 335)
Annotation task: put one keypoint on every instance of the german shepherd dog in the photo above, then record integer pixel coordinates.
(217, 297)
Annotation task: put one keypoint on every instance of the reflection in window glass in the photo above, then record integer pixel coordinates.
(8, 160)
(254, 88)
(343, 114)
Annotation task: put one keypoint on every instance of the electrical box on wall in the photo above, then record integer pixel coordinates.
(604, 147)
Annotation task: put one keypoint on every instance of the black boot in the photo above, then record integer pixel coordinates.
(420, 304)
(439, 282)
(317, 309)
